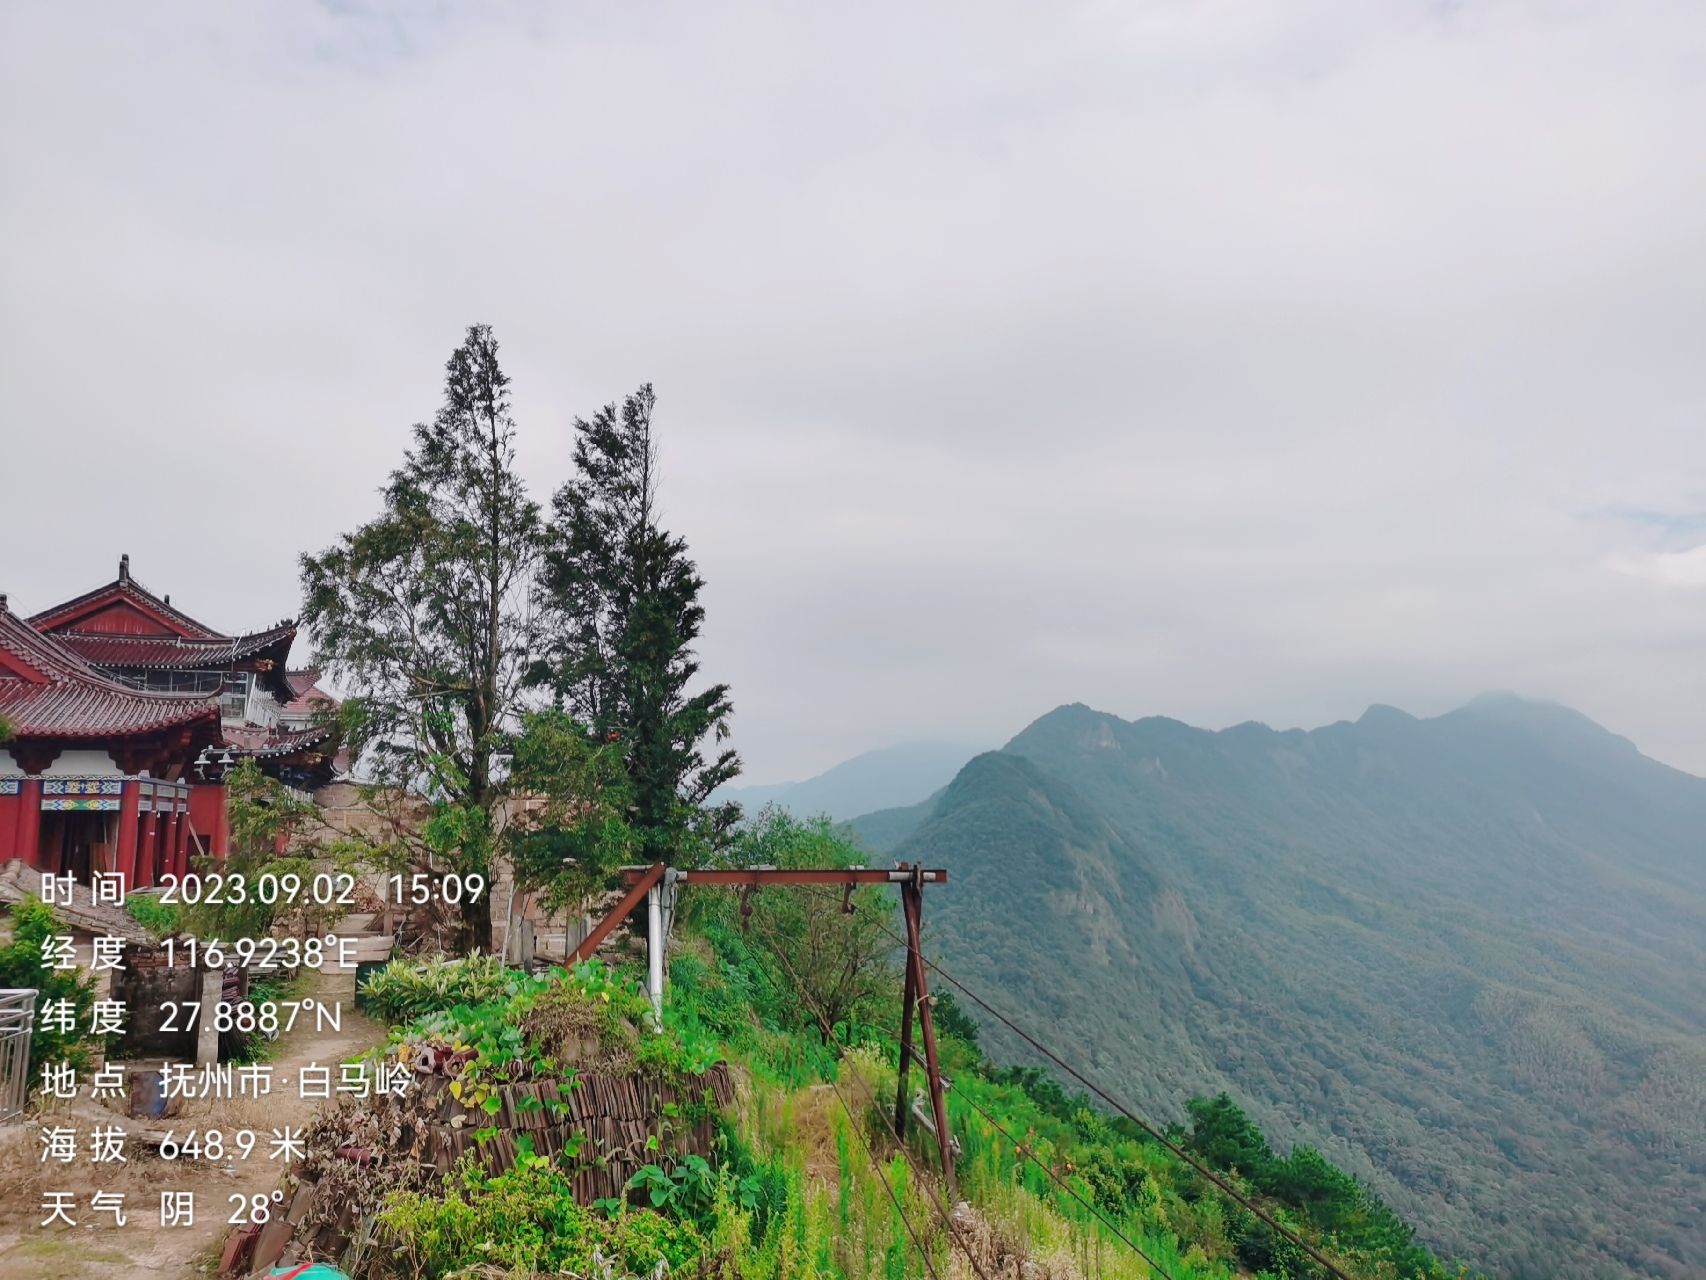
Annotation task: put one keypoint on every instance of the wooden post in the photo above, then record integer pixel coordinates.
(181, 857)
(169, 843)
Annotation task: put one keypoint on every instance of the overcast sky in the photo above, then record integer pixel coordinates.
(1227, 361)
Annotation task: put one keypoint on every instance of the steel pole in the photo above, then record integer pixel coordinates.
(654, 952)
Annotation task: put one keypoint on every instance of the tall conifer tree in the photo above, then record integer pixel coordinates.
(619, 600)
(426, 609)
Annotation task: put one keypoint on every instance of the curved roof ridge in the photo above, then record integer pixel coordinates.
(125, 587)
(106, 649)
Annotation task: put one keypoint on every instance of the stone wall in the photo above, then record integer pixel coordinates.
(144, 984)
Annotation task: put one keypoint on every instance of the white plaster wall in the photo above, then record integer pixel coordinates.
(81, 761)
(7, 764)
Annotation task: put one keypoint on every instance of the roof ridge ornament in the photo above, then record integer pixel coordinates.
(124, 567)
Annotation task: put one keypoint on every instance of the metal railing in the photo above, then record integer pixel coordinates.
(17, 1020)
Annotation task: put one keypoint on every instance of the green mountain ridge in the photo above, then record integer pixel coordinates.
(1465, 956)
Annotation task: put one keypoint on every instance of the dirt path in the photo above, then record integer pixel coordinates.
(142, 1249)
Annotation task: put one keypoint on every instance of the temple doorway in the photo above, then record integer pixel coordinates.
(77, 842)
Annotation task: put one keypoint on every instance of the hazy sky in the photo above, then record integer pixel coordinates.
(1228, 361)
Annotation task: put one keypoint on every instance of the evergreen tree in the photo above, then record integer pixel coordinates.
(571, 838)
(426, 610)
(1227, 1138)
(620, 601)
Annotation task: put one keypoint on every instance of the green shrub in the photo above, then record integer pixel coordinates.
(162, 919)
(558, 1024)
(21, 965)
(256, 1046)
(525, 1221)
(406, 989)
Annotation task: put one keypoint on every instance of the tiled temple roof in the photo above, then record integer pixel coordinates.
(124, 625)
(177, 654)
(47, 690)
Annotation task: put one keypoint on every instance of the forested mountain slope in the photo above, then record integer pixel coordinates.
(1466, 956)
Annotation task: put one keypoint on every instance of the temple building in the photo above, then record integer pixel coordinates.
(125, 714)
(95, 775)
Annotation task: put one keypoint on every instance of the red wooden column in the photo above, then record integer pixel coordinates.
(29, 821)
(157, 846)
(147, 846)
(222, 828)
(185, 827)
(208, 817)
(27, 832)
(157, 862)
(124, 846)
(171, 843)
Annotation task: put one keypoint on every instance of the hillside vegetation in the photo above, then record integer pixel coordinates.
(1465, 957)
(801, 1175)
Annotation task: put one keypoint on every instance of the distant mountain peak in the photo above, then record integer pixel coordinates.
(1504, 702)
(886, 778)
(1381, 713)
(1537, 713)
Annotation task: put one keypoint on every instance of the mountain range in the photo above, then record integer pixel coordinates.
(887, 778)
(1463, 956)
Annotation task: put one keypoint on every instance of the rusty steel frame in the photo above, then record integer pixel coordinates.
(643, 878)
(915, 997)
